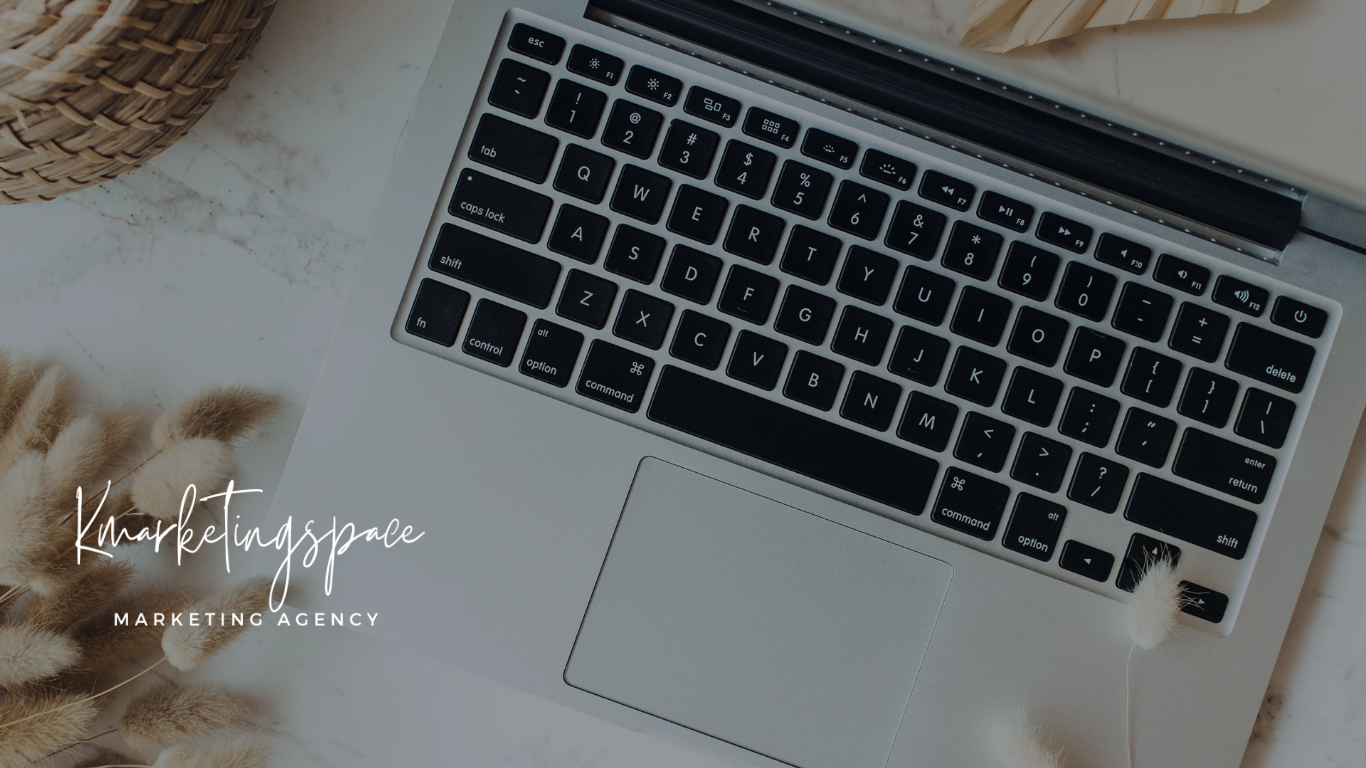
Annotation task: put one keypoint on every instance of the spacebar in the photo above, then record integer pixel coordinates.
(793, 440)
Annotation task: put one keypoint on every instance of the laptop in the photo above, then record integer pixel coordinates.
(809, 400)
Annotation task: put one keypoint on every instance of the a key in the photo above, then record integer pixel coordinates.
(518, 88)
(861, 335)
(811, 255)
(1038, 336)
(915, 230)
(536, 43)
(1224, 465)
(946, 190)
(632, 129)
(1064, 233)
(1151, 377)
(1299, 317)
(972, 251)
(975, 376)
(1199, 332)
(1181, 274)
(918, 356)
(1243, 296)
(1086, 560)
(754, 234)
(640, 194)
(813, 380)
(1146, 437)
(1005, 212)
(924, 295)
(550, 353)
(688, 149)
(1041, 462)
(584, 173)
(829, 148)
(1089, 417)
(1264, 418)
(1029, 271)
(494, 332)
(804, 315)
(887, 169)
(748, 295)
(981, 316)
(691, 274)
(513, 148)
(494, 265)
(970, 504)
(1032, 396)
(1270, 358)
(1203, 602)
(867, 275)
(1098, 483)
(859, 210)
(438, 309)
(1190, 516)
(1085, 291)
(745, 169)
(1034, 527)
(592, 63)
(655, 86)
(1143, 553)
(634, 254)
(575, 109)
(697, 214)
(643, 319)
(578, 234)
(802, 190)
(1141, 311)
(711, 106)
(500, 205)
(757, 360)
(1125, 254)
(1208, 398)
(870, 401)
(586, 299)
(700, 340)
(615, 375)
(1095, 357)
(927, 421)
(770, 127)
(984, 442)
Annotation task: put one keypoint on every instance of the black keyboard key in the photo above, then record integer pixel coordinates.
(1199, 332)
(757, 360)
(1299, 317)
(1125, 254)
(1095, 356)
(861, 335)
(632, 129)
(438, 309)
(970, 504)
(643, 319)
(924, 295)
(495, 266)
(1203, 602)
(1269, 357)
(688, 149)
(1143, 552)
(984, 442)
(1085, 291)
(1141, 311)
(494, 332)
(867, 275)
(1098, 483)
(1191, 516)
(655, 86)
(1034, 527)
(1264, 418)
(973, 251)
(975, 376)
(795, 440)
(918, 356)
(1029, 271)
(700, 340)
(870, 401)
(1089, 417)
(927, 421)
(500, 206)
(1085, 560)
(1224, 465)
(1181, 274)
(1151, 377)
(1003, 211)
(859, 210)
(754, 234)
(551, 353)
(1038, 336)
(1208, 398)
(592, 63)
(813, 380)
(691, 274)
(888, 169)
(1032, 396)
(1041, 462)
(1066, 234)
(584, 173)
(772, 128)
(634, 254)
(586, 299)
(518, 88)
(575, 109)
(536, 43)
(697, 214)
(578, 234)
(946, 190)
(1242, 296)
(829, 148)
(615, 375)
(1146, 437)
(513, 148)
(981, 316)
(802, 190)
(711, 106)
(640, 194)
(811, 255)
(748, 295)
(745, 169)
(915, 230)
(804, 315)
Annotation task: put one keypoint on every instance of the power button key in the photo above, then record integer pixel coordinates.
(1299, 317)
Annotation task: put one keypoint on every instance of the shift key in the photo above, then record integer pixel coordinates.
(1224, 465)
(495, 266)
(500, 206)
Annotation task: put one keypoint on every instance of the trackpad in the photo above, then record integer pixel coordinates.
(757, 623)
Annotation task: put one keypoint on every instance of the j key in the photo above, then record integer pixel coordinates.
(632, 129)
(495, 266)
(1269, 357)
(754, 234)
(1203, 602)
(924, 295)
(643, 319)
(916, 230)
(1265, 418)
(757, 360)
(867, 275)
(829, 148)
(494, 332)
(802, 190)
(536, 43)
(919, 356)
(1041, 462)
(975, 376)
(1141, 311)
(1038, 336)
(590, 62)
(1029, 271)
(775, 129)
(1142, 553)
(745, 169)
(1064, 233)
(1032, 396)
(870, 401)
(1085, 291)
(1199, 332)
(1299, 317)
(1208, 398)
(635, 254)
(688, 149)
(804, 315)
(513, 148)
(748, 295)
(1151, 377)
(578, 234)
(946, 190)
(1087, 561)
(575, 109)
(861, 335)
(640, 194)
(1191, 516)
(859, 210)
(1146, 437)
(984, 442)
(1002, 211)
(811, 255)
(711, 106)
(1125, 254)
(700, 340)
(615, 375)
(1089, 417)
(813, 380)
(970, 504)
(437, 312)
(888, 169)
(927, 421)
(1224, 465)
(551, 353)
(584, 173)
(655, 86)
(972, 250)
(1181, 274)
(1095, 357)
(1034, 527)
(500, 206)
(518, 88)
(1244, 297)
(691, 274)
(1098, 483)
(981, 316)
(586, 299)
(697, 214)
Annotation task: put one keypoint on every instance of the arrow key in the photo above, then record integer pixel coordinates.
(1143, 551)
(1203, 602)
(1086, 560)
(946, 190)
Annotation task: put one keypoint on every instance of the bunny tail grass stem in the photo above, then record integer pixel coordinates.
(105, 692)
(1128, 708)
(75, 744)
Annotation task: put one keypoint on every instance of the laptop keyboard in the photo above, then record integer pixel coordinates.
(1040, 384)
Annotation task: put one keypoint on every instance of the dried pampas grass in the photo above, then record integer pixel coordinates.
(171, 715)
(103, 645)
(246, 752)
(1038, 21)
(104, 757)
(187, 647)
(16, 380)
(83, 452)
(32, 728)
(40, 418)
(27, 523)
(90, 588)
(160, 486)
(1020, 745)
(224, 414)
(29, 654)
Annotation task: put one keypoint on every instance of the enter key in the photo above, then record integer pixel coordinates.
(1224, 465)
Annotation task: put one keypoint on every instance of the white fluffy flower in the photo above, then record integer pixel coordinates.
(161, 483)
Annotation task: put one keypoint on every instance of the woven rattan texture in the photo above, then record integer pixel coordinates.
(92, 88)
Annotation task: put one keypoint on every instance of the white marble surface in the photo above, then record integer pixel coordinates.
(229, 258)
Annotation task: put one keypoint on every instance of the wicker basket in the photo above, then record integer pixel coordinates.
(92, 88)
